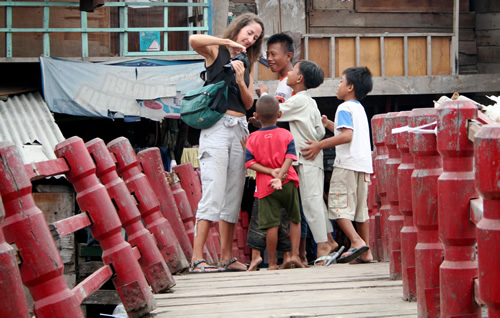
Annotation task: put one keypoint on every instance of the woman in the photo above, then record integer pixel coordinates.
(221, 155)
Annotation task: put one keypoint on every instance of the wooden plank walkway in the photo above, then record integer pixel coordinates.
(340, 290)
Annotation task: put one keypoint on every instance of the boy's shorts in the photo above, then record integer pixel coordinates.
(257, 238)
(269, 206)
(348, 194)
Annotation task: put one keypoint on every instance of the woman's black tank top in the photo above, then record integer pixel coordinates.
(215, 73)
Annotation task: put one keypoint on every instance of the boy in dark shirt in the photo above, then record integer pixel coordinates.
(270, 151)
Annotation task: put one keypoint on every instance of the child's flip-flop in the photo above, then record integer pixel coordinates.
(355, 252)
(331, 258)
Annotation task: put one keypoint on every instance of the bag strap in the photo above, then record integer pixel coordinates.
(220, 103)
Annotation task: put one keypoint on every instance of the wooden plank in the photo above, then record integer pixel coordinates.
(468, 69)
(466, 34)
(370, 55)
(409, 6)
(319, 52)
(417, 56)
(488, 21)
(398, 21)
(338, 290)
(269, 12)
(487, 6)
(488, 54)
(440, 56)
(394, 59)
(55, 206)
(219, 16)
(412, 85)
(467, 47)
(293, 16)
(280, 16)
(310, 292)
(373, 30)
(265, 73)
(103, 297)
(332, 5)
(345, 54)
(488, 37)
(489, 68)
(464, 59)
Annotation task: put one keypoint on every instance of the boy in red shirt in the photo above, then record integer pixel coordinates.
(270, 151)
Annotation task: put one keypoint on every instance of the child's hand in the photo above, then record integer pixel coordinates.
(276, 184)
(255, 122)
(275, 173)
(310, 152)
(243, 142)
(262, 89)
(324, 120)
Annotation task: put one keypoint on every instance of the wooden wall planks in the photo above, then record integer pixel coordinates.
(409, 6)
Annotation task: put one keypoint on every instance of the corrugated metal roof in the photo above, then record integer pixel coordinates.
(26, 120)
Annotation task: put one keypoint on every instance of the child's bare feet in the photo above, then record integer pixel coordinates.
(366, 257)
(273, 267)
(286, 261)
(254, 264)
(297, 263)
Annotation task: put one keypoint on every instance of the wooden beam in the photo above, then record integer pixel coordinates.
(402, 21)
(454, 39)
(415, 85)
(408, 6)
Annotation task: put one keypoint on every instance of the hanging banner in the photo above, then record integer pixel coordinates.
(144, 88)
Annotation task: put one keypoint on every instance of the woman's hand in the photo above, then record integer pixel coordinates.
(235, 48)
(239, 72)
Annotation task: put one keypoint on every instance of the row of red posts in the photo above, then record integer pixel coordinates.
(434, 206)
(116, 188)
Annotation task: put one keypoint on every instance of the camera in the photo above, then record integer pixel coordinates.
(242, 56)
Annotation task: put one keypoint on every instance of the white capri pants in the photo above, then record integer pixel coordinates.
(222, 165)
(311, 179)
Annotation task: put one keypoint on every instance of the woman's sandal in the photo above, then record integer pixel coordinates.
(225, 266)
(202, 269)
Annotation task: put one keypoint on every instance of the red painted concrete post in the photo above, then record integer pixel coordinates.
(395, 220)
(455, 189)
(24, 225)
(184, 208)
(188, 217)
(378, 134)
(429, 250)
(153, 168)
(487, 162)
(93, 199)
(149, 206)
(190, 182)
(409, 231)
(152, 263)
(13, 303)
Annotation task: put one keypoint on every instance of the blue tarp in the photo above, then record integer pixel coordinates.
(146, 88)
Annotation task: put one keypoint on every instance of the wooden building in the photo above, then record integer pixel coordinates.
(428, 47)
(416, 50)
